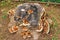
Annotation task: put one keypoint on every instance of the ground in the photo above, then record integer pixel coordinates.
(53, 11)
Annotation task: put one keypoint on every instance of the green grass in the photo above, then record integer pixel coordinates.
(57, 30)
(54, 38)
(4, 16)
(51, 12)
(55, 27)
(4, 3)
(55, 22)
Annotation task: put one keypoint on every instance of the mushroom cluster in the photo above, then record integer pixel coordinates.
(27, 16)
